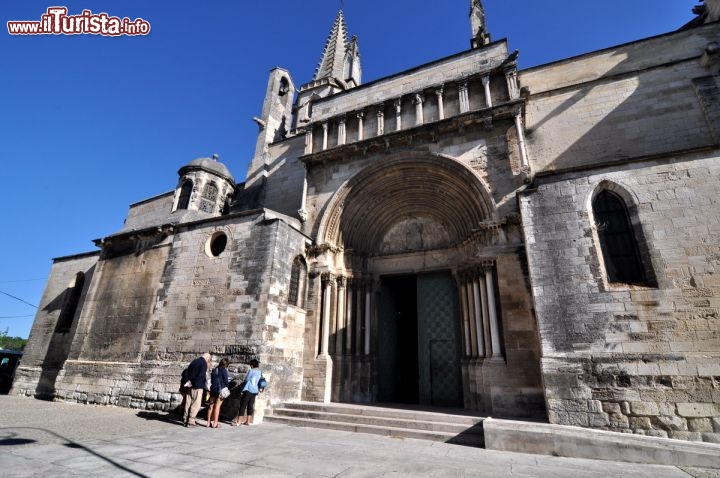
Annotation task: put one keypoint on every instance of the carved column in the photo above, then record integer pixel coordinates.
(492, 313)
(325, 136)
(327, 280)
(441, 108)
(309, 139)
(398, 114)
(349, 322)
(485, 313)
(368, 318)
(341, 322)
(512, 84)
(418, 100)
(478, 318)
(464, 97)
(521, 138)
(359, 295)
(342, 136)
(471, 317)
(361, 129)
(302, 212)
(486, 86)
(465, 319)
(380, 121)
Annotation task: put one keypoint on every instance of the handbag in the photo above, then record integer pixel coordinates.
(224, 393)
(262, 383)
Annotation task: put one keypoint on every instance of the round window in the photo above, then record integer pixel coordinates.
(216, 244)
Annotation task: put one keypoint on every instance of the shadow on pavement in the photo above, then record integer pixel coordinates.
(12, 440)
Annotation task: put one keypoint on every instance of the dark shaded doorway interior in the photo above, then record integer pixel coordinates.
(418, 334)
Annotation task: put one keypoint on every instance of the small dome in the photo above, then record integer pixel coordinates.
(210, 165)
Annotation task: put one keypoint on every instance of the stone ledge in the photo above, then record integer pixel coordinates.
(575, 442)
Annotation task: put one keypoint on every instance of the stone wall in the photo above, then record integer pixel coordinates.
(625, 102)
(47, 348)
(148, 312)
(644, 359)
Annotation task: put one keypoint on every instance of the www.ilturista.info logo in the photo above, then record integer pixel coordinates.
(57, 22)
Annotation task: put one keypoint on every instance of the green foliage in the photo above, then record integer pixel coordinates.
(11, 343)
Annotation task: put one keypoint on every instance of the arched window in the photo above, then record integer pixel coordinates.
(70, 303)
(298, 283)
(209, 196)
(623, 263)
(185, 192)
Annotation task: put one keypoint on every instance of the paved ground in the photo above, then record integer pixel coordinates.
(39, 438)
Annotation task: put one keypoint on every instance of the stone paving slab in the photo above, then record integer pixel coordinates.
(40, 438)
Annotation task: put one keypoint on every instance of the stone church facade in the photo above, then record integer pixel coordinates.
(538, 243)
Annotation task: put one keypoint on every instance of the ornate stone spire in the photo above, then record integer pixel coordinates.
(480, 36)
(333, 55)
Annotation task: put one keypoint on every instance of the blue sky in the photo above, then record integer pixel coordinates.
(92, 124)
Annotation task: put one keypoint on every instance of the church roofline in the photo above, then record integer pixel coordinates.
(469, 52)
(620, 45)
(80, 255)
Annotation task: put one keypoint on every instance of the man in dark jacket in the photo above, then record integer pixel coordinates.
(197, 371)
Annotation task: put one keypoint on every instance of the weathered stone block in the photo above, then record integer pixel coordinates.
(699, 425)
(644, 408)
(670, 423)
(640, 423)
(698, 409)
(598, 420)
(578, 419)
(611, 407)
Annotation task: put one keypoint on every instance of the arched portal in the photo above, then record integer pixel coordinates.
(368, 205)
(394, 238)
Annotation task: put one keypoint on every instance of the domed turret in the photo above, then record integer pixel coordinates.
(205, 185)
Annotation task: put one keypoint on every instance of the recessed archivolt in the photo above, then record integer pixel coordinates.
(369, 204)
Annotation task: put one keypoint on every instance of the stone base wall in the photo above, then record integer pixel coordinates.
(146, 386)
(661, 396)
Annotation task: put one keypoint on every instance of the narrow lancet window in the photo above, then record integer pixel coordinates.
(185, 192)
(623, 263)
(298, 281)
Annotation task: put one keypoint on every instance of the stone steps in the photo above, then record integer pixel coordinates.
(401, 423)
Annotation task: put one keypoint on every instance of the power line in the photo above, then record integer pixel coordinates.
(18, 298)
(17, 316)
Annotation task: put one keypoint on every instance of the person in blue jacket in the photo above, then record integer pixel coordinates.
(219, 379)
(249, 392)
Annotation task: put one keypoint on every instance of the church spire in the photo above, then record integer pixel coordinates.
(480, 36)
(333, 55)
